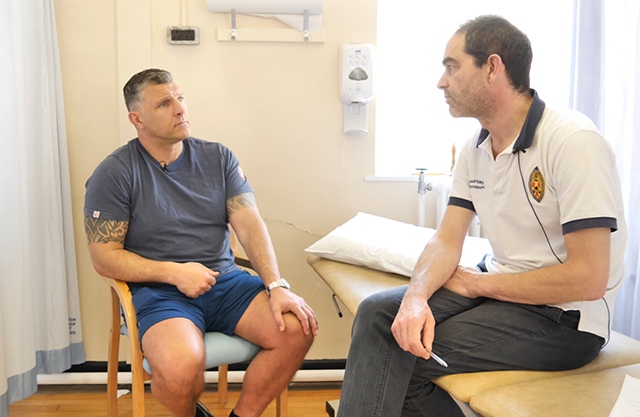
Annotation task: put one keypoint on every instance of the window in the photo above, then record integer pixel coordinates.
(413, 126)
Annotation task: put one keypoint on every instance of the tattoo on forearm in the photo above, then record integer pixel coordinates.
(240, 201)
(105, 231)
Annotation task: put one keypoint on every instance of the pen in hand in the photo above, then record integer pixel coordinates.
(437, 358)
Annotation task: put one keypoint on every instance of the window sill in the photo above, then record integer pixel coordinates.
(413, 178)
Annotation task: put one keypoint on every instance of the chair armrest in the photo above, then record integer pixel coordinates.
(126, 302)
(243, 262)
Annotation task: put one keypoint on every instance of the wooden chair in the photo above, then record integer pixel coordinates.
(222, 350)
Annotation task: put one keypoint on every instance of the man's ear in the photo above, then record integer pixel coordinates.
(494, 67)
(136, 121)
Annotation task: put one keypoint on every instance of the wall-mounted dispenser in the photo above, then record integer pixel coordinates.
(356, 86)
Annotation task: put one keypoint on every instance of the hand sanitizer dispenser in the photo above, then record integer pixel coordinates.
(356, 86)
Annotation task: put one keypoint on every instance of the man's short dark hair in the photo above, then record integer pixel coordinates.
(490, 34)
(138, 82)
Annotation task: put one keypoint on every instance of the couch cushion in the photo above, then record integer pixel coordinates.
(621, 350)
(586, 395)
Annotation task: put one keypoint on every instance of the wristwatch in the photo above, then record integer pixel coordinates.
(279, 283)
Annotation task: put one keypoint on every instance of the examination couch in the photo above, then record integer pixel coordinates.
(590, 391)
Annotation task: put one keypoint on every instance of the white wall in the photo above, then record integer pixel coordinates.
(274, 104)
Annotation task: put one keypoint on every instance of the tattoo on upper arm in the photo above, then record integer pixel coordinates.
(240, 201)
(105, 231)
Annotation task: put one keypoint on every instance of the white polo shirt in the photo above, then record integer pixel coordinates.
(559, 175)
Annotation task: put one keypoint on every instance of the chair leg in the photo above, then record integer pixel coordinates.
(282, 404)
(120, 295)
(223, 383)
(138, 374)
(137, 388)
(112, 361)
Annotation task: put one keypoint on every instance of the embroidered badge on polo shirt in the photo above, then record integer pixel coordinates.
(537, 184)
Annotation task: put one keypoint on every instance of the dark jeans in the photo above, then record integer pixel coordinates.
(382, 380)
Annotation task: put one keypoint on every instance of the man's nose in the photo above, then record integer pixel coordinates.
(442, 84)
(178, 107)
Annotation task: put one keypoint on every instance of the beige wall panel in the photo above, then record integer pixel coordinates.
(274, 104)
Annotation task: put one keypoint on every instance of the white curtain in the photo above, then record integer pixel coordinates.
(40, 329)
(606, 87)
(622, 126)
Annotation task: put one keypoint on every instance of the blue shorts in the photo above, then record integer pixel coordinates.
(218, 310)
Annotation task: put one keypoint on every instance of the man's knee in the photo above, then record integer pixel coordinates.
(294, 334)
(182, 375)
(175, 351)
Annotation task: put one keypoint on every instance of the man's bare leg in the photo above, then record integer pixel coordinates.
(274, 366)
(175, 350)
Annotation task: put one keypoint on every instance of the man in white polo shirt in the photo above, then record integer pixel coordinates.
(545, 188)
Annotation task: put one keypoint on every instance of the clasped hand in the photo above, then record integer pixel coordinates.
(195, 279)
(464, 281)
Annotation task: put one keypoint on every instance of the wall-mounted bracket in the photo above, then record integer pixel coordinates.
(268, 35)
(303, 16)
(233, 24)
(306, 25)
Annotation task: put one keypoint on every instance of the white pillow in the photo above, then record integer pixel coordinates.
(386, 245)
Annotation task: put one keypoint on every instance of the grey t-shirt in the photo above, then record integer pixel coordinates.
(177, 213)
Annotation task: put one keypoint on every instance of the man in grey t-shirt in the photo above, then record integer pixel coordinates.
(157, 212)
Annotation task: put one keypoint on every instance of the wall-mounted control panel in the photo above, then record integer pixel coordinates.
(183, 35)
